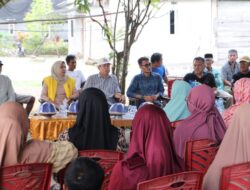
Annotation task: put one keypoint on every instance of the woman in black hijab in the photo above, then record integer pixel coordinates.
(93, 129)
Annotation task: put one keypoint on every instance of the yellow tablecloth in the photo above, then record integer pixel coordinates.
(43, 128)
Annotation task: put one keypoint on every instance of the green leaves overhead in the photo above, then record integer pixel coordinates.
(83, 5)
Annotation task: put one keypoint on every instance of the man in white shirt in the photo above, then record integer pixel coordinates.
(75, 74)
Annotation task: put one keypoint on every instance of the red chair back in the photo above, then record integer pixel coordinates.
(200, 154)
(235, 177)
(107, 159)
(181, 181)
(26, 177)
(170, 84)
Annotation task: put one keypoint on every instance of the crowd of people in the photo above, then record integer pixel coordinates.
(155, 149)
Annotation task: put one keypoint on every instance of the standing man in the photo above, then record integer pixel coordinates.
(75, 74)
(198, 75)
(146, 86)
(106, 82)
(158, 67)
(6, 89)
(230, 68)
(244, 69)
(219, 83)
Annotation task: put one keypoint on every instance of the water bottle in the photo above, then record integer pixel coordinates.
(220, 105)
(63, 109)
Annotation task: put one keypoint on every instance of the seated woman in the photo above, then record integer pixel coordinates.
(234, 148)
(176, 109)
(205, 121)
(241, 93)
(15, 150)
(92, 129)
(58, 86)
(151, 153)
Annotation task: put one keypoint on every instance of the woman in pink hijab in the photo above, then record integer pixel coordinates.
(15, 150)
(205, 121)
(151, 153)
(241, 92)
(234, 148)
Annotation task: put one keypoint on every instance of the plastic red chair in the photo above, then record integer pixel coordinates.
(106, 158)
(181, 181)
(170, 84)
(200, 154)
(235, 177)
(26, 177)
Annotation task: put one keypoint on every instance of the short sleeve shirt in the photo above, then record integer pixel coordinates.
(227, 71)
(207, 79)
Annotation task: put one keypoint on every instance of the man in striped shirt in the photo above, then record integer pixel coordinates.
(106, 82)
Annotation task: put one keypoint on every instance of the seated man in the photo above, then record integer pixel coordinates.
(106, 82)
(75, 74)
(83, 173)
(7, 93)
(244, 69)
(219, 83)
(157, 67)
(198, 75)
(230, 68)
(146, 86)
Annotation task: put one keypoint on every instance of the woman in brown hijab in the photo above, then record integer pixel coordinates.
(234, 148)
(15, 150)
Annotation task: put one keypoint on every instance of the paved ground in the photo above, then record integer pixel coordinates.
(27, 73)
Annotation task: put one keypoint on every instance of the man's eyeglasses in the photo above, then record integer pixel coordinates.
(147, 65)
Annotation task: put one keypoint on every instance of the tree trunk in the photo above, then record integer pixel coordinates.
(121, 70)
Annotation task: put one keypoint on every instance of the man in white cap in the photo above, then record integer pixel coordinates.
(244, 69)
(106, 82)
(6, 91)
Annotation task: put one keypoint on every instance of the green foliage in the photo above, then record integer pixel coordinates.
(83, 5)
(40, 9)
(50, 48)
(7, 44)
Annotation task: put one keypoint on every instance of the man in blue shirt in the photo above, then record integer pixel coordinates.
(157, 67)
(218, 80)
(146, 86)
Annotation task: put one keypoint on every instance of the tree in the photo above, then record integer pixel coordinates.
(38, 31)
(137, 13)
(3, 2)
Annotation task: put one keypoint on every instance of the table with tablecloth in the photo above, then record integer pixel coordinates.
(48, 128)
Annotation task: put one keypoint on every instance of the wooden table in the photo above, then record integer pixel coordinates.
(43, 128)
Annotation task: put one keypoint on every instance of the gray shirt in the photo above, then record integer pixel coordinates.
(6, 90)
(228, 71)
(108, 85)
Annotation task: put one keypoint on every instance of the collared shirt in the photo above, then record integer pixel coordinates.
(239, 76)
(6, 90)
(78, 76)
(145, 86)
(207, 79)
(108, 85)
(227, 71)
(217, 77)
